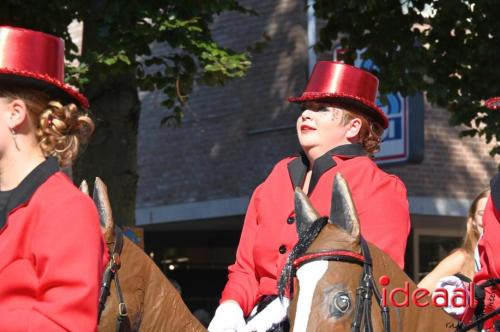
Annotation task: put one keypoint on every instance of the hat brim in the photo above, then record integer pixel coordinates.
(363, 105)
(44, 83)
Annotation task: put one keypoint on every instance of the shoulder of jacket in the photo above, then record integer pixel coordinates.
(287, 159)
(395, 180)
(277, 172)
(380, 173)
(282, 165)
(60, 191)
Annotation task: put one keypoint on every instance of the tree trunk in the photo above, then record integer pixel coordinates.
(112, 151)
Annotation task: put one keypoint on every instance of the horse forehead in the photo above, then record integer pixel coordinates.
(332, 237)
(312, 270)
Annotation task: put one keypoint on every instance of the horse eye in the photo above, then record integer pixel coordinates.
(341, 303)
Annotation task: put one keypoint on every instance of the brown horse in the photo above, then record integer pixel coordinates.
(339, 282)
(153, 304)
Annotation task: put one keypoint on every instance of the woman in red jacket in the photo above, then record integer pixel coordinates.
(486, 298)
(489, 246)
(339, 129)
(52, 251)
(490, 263)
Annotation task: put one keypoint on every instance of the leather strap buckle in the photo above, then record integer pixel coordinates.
(122, 310)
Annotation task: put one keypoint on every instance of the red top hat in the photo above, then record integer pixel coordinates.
(493, 103)
(334, 81)
(35, 59)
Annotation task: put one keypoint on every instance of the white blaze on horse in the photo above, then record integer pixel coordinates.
(337, 285)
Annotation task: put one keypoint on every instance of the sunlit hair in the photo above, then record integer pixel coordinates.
(370, 133)
(60, 129)
(472, 235)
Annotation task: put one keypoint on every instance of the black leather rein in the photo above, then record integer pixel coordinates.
(110, 274)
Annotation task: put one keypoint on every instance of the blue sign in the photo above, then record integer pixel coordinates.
(395, 147)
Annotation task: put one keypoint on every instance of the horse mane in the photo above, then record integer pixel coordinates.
(305, 240)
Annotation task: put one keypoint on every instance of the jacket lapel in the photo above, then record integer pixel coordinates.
(297, 168)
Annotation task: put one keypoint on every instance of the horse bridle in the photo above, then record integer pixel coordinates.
(367, 287)
(110, 274)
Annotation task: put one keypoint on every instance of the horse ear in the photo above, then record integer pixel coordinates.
(101, 200)
(84, 187)
(305, 213)
(342, 211)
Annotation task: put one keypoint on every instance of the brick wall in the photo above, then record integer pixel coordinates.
(222, 149)
(453, 167)
(216, 153)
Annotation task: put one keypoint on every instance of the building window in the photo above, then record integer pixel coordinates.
(431, 246)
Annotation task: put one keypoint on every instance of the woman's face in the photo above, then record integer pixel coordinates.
(320, 127)
(478, 214)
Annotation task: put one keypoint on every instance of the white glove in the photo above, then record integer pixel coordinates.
(228, 318)
(450, 284)
(274, 313)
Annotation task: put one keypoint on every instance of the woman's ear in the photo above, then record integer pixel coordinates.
(354, 127)
(17, 112)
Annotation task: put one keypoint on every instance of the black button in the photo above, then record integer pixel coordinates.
(282, 249)
(290, 220)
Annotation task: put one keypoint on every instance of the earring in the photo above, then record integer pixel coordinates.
(14, 137)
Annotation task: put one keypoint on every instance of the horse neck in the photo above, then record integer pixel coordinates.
(385, 266)
(411, 317)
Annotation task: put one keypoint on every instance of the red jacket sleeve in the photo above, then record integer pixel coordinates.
(488, 244)
(387, 228)
(242, 285)
(490, 260)
(68, 258)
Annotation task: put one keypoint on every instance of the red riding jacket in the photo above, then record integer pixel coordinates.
(52, 255)
(269, 231)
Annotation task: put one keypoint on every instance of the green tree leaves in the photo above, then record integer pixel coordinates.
(121, 36)
(448, 48)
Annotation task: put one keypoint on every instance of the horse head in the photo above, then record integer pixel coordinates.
(337, 285)
(152, 303)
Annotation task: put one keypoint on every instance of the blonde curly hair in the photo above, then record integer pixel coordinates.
(60, 129)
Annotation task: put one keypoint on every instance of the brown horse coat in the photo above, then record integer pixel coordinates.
(153, 304)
